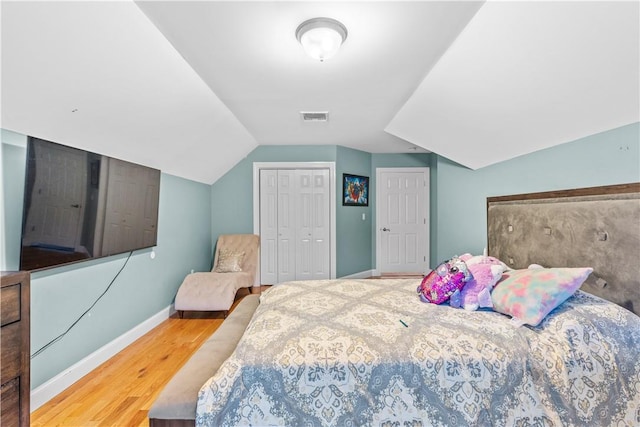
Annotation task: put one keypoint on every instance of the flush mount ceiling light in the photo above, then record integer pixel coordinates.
(321, 37)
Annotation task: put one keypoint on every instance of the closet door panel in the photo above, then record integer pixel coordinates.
(321, 230)
(268, 226)
(304, 247)
(286, 226)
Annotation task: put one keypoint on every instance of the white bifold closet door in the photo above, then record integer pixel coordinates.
(294, 225)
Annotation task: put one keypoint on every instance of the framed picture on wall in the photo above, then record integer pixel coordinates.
(355, 190)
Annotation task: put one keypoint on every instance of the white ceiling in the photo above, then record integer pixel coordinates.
(192, 87)
(523, 76)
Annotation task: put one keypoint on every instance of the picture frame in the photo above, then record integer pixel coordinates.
(355, 190)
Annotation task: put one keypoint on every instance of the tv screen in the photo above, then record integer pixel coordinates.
(80, 205)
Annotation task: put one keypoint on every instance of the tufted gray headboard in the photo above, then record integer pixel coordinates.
(596, 227)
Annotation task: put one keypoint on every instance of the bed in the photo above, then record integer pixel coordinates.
(369, 352)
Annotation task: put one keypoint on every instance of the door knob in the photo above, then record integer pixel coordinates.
(75, 206)
(386, 229)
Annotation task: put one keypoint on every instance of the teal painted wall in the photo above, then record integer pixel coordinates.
(232, 197)
(232, 194)
(607, 158)
(353, 248)
(192, 215)
(145, 286)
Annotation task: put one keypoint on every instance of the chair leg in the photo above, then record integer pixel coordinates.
(181, 313)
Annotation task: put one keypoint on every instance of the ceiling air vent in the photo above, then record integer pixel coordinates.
(314, 116)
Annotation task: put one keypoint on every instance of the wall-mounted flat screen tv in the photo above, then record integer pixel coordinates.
(80, 205)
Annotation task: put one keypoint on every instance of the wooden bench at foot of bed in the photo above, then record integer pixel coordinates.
(176, 404)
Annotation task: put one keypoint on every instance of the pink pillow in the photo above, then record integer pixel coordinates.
(529, 295)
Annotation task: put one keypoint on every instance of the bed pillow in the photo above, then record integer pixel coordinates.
(229, 261)
(529, 295)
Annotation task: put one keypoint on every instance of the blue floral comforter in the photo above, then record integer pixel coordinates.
(368, 352)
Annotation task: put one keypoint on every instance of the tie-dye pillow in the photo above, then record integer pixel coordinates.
(529, 295)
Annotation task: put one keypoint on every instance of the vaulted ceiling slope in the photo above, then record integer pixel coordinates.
(100, 76)
(523, 76)
(191, 87)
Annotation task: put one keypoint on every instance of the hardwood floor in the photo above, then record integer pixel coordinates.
(120, 391)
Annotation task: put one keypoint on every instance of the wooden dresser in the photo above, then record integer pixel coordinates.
(15, 349)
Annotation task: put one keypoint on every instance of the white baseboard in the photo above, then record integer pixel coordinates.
(45, 392)
(362, 275)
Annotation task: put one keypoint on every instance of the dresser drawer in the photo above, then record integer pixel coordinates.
(10, 304)
(11, 343)
(10, 403)
(14, 349)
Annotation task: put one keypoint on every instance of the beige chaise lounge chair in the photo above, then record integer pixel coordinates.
(236, 263)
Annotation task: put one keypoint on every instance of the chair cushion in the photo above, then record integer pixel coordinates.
(247, 243)
(229, 261)
(211, 291)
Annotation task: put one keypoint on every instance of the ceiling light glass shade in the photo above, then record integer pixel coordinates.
(321, 37)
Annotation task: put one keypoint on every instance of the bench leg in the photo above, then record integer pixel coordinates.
(181, 313)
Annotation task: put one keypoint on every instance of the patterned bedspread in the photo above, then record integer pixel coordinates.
(338, 353)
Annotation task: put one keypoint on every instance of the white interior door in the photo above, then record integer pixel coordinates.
(402, 220)
(295, 224)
